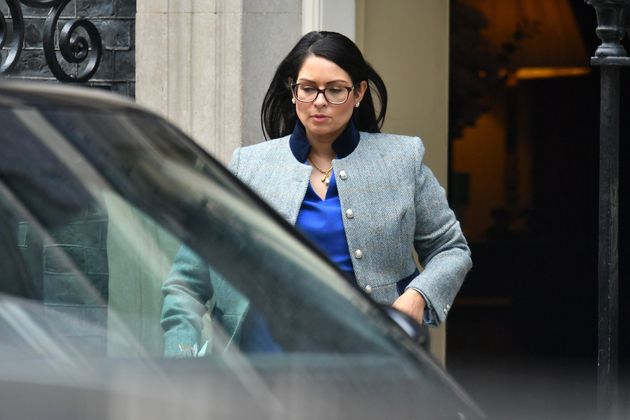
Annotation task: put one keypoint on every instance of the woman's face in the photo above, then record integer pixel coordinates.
(325, 121)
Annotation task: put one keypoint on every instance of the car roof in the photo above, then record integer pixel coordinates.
(19, 94)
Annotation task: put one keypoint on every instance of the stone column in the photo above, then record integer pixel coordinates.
(205, 64)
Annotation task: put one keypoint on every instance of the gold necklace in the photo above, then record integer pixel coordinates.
(326, 178)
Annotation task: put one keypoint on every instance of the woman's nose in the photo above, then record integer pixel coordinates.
(320, 100)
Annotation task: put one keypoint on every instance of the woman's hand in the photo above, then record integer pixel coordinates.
(412, 304)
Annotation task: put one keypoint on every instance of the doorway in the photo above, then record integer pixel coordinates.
(523, 181)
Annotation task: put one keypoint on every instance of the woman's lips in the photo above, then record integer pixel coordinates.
(320, 118)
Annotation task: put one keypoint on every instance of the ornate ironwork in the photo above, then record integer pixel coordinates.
(15, 38)
(612, 24)
(74, 45)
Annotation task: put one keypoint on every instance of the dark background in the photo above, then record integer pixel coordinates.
(538, 350)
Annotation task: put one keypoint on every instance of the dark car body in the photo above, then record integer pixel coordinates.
(96, 198)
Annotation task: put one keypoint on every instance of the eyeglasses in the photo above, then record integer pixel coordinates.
(336, 95)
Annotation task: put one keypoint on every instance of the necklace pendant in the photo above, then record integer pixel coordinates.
(326, 180)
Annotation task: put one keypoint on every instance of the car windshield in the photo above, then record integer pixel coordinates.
(104, 214)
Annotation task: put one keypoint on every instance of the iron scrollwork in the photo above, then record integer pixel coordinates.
(14, 40)
(79, 40)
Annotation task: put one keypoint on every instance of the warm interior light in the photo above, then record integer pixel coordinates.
(550, 37)
(527, 73)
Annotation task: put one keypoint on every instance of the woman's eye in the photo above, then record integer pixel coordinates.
(307, 89)
(335, 90)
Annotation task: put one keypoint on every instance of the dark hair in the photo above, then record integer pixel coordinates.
(278, 115)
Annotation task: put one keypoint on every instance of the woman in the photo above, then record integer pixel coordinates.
(365, 198)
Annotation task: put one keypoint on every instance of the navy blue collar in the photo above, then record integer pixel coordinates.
(345, 144)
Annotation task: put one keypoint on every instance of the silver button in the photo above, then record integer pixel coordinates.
(368, 289)
(349, 214)
(448, 307)
(358, 254)
(445, 310)
(343, 175)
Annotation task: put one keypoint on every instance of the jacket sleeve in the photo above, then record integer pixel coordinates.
(234, 163)
(186, 291)
(439, 242)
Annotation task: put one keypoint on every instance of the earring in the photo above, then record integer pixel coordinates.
(357, 104)
(293, 101)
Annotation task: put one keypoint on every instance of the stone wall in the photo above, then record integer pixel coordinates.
(115, 21)
(206, 64)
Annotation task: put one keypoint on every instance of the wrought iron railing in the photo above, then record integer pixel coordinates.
(79, 41)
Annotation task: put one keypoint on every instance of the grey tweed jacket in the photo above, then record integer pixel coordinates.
(392, 204)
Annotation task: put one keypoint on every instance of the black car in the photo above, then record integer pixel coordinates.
(97, 197)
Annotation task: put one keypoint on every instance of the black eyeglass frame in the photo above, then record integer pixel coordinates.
(294, 86)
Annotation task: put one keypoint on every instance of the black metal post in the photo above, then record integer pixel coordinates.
(610, 56)
(607, 352)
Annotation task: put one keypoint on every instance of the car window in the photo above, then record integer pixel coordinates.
(132, 242)
(124, 247)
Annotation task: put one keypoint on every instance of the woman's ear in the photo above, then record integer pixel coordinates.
(360, 90)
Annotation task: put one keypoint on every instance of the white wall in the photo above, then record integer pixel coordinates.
(407, 41)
